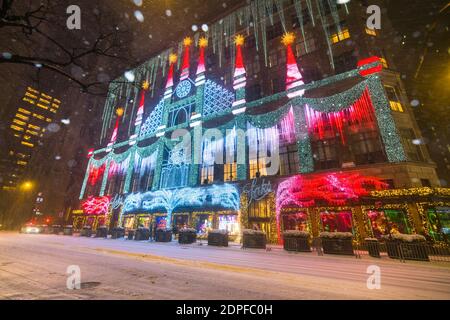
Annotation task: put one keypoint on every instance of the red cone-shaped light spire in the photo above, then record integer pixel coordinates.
(293, 76)
(185, 67)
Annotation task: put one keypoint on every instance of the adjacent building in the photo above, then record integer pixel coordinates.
(35, 112)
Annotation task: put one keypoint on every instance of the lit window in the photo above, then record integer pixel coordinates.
(55, 105)
(17, 135)
(21, 116)
(339, 36)
(394, 101)
(371, 32)
(32, 90)
(14, 127)
(19, 122)
(53, 110)
(229, 171)
(24, 111)
(56, 100)
(27, 94)
(38, 116)
(42, 106)
(46, 96)
(48, 120)
(384, 62)
(27, 137)
(207, 174)
(34, 133)
(28, 100)
(27, 144)
(34, 127)
(22, 163)
(44, 101)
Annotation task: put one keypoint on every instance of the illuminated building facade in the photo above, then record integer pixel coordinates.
(36, 110)
(293, 122)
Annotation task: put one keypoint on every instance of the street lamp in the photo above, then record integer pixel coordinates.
(27, 186)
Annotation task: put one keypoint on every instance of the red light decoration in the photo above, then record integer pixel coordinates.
(334, 189)
(359, 114)
(96, 205)
(372, 70)
(185, 67)
(95, 174)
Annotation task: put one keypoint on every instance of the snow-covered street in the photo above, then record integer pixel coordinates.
(34, 267)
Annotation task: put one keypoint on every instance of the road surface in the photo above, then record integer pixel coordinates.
(35, 266)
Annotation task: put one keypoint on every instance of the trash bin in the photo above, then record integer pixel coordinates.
(86, 231)
(56, 229)
(373, 246)
(131, 234)
(142, 234)
(68, 230)
(117, 232)
(102, 232)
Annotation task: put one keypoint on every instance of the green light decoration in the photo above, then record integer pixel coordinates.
(388, 130)
(105, 176)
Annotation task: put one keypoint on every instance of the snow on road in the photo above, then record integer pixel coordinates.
(34, 267)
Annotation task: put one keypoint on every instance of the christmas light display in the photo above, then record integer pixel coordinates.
(185, 67)
(334, 189)
(96, 205)
(294, 78)
(224, 196)
(356, 116)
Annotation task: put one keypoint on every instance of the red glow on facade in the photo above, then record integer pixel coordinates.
(96, 205)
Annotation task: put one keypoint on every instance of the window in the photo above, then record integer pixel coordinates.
(19, 122)
(326, 154)
(371, 32)
(21, 116)
(384, 62)
(24, 111)
(388, 221)
(27, 144)
(301, 48)
(345, 62)
(412, 150)
(207, 174)
(288, 160)
(336, 221)
(14, 127)
(230, 171)
(393, 98)
(366, 148)
(340, 35)
(274, 31)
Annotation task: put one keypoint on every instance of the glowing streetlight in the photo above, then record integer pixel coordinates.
(26, 186)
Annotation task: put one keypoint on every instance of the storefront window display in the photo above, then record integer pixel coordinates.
(144, 221)
(128, 222)
(388, 221)
(336, 221)
(439, 222)
(161, 222)
(181, 221)
(295, 221)
(229, 222)
(203, 223)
